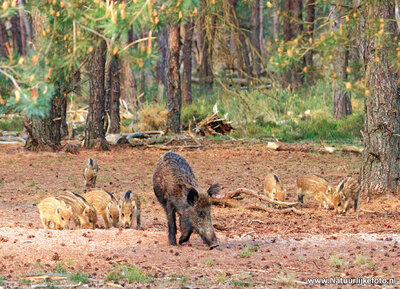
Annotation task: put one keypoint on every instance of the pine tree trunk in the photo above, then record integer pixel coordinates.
(16, 34)
(341, 98)
(94, 132)
(242, 51)
(293, 28)
(205, 70)
(255, 37)
(3, 40)
(48, 132)
(161, 70)
(128, 85)
(76, 82)
(174, 97)
(187, 63)
(275, 20)
(115, 95)
(380, 167)
(310, 33)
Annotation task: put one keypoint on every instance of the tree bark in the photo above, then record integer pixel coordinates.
(310, 33)
(380, 167)
(115, 95)
(205, 70)
(16, 34)
(341, 97)
(242, 51)
(94, 132)
(275, 20)
(3, 40)
(174, 97)
(76, 82)
(255, 37)
(187, 63)
(48, 132)
(293, 28)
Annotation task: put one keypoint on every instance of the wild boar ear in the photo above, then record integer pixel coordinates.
(213, 190)
(192, 196)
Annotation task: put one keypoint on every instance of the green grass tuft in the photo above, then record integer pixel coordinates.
(60, 269)
(248, 251)
(132, 274)
(336, 261)
(209, 262)
(79, 277)
(360, 259)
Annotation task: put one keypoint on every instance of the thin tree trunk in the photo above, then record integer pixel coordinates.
(94, 132)
(187, 63)
(205, 70)
(16, 34)
(242, 51)
(161, 69)
(142, 85)
(293, 28)
(341, 97)
(76, 82)
(174, 97)
(380, 167)
(310, 33)
(115, 95)
(3, 40)
(275, 20)
(128, 85)
(255, 37)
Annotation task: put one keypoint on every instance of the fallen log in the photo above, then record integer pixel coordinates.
(352, 149)
(290, 147)
(253, 193)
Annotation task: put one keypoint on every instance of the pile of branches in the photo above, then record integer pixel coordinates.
(213, 125)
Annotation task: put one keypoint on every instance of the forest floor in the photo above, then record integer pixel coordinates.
(257, 249)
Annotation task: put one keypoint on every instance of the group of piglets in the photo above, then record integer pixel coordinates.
(83, 210)
(340, 199)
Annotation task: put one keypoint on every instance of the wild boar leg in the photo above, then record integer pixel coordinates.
(106, 222)
(186, 230)
(171, 216)
(138, 222)
(355, 205)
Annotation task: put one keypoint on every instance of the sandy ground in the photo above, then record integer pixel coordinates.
(257, 249)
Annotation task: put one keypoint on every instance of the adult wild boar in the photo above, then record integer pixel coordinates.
(176, 188)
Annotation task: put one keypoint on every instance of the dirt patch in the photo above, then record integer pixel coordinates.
(256, 248)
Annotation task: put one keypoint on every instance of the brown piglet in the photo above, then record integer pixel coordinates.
(83, 214)
(130, 210)
(273, 188)
(347, 192)
(90, 169)
(106, 206)
(54, 213)
(317, 186)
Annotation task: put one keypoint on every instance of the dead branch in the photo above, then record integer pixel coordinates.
(368, 211)
(223, 202)
(274, 211)
(239, 191)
